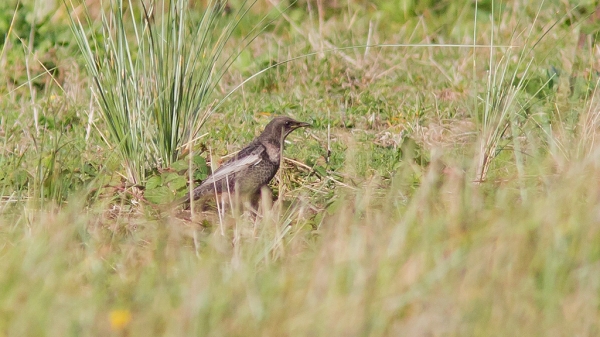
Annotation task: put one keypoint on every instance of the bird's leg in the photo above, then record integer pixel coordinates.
(265, 196)
(254, 198)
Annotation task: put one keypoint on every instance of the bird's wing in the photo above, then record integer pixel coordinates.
(235, 165)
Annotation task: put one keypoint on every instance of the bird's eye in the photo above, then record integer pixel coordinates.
(287, 123)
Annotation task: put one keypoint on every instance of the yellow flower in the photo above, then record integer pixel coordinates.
(119, 319)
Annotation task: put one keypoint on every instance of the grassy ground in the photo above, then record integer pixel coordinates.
(442, 190)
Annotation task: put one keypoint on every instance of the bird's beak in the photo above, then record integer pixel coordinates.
(302, 125)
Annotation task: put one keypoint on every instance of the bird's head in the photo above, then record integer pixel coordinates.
(280, 127)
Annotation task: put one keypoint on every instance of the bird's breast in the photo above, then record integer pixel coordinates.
(273, 152)
(256, 176)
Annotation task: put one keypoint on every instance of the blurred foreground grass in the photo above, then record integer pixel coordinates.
(389, 234)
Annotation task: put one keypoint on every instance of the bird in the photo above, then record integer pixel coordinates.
(252, 168)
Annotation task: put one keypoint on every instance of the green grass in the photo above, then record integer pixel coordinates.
(441, 190)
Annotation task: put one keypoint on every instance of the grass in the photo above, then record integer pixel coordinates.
(440, 191)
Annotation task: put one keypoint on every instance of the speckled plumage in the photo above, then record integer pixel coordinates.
(251, 168)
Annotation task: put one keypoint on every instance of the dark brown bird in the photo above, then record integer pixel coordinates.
(251, 168)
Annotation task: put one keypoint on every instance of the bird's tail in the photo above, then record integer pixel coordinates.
(185, 201)
(198, 195)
